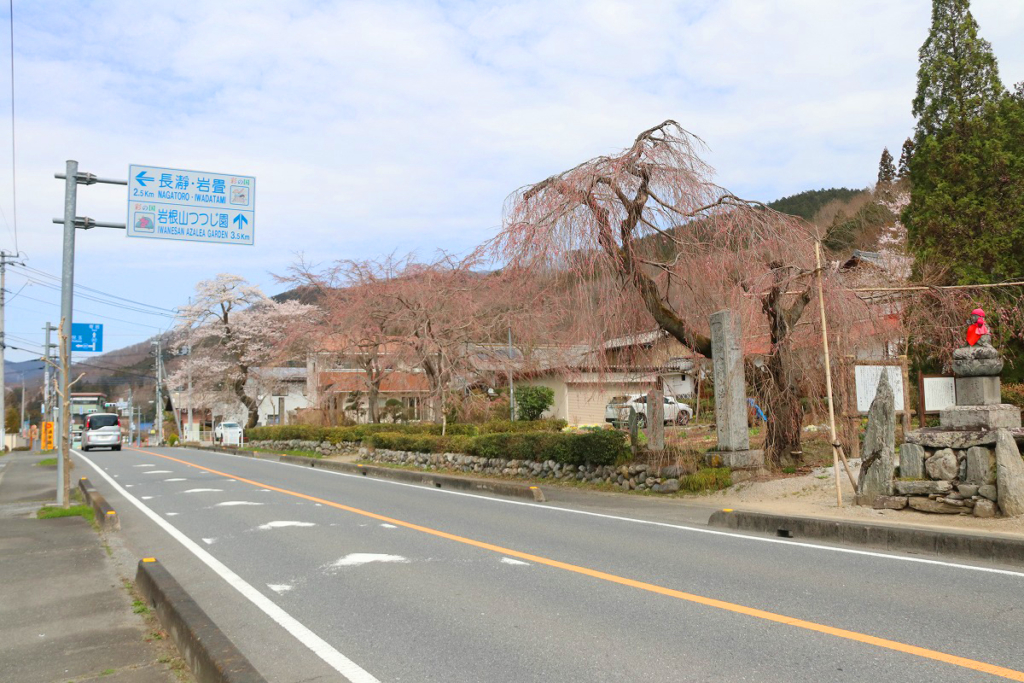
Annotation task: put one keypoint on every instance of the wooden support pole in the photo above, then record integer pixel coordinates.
(828, 375)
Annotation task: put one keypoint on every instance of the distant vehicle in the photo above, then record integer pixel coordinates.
(101, 430)
(228, 433)
(617, 410)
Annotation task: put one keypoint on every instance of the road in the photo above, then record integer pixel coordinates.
(323, 576)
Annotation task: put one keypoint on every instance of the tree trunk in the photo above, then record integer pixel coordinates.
(372, 398)
(250, 403)
(785, 413)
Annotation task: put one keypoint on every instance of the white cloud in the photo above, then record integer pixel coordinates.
(373, 127)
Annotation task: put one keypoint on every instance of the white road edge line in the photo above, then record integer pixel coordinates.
(700, 530)
(339, 662)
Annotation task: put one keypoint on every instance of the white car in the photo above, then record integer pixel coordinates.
(228, 433)
(101, 430)
(617, 410)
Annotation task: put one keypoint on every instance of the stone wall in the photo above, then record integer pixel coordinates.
(632, 477)
(945, 480)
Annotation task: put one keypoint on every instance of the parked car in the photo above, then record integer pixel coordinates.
(101, 430)
(617, 410)
(228, 433)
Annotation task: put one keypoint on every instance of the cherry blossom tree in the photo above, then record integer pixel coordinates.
(231, 327)
(646, 238)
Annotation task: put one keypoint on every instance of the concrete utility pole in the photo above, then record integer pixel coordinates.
(47, 389)
(159, 412)
(72, 179)
(5, 260)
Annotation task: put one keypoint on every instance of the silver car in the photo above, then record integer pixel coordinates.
(102, 430)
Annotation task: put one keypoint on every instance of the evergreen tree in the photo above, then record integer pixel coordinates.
(886, 169)
(906, 154)
(967, 165)
(958, 75)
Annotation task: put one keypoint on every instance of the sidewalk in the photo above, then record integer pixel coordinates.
(64, 613)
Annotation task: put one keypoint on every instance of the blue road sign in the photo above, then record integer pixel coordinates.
(86, 337)
(178, 204)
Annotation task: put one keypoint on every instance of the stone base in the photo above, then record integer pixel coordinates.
(978, 391)
(1000, 416)
(735, 460)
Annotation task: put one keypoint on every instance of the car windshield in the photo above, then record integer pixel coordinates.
(230, 425)
(100, 421)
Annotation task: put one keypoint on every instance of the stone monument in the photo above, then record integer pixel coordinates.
(730, 396)
(878, 468)
(970, 463)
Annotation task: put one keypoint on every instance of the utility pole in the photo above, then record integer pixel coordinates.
(511, 389)
(5, 260)
(21, 428)
(72, 179)
(47, 390)
(159, 413)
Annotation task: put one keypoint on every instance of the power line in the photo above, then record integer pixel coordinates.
(82, 288)
(89, 297)
(108, 317)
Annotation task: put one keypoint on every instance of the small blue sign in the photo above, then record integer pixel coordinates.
(86, 337)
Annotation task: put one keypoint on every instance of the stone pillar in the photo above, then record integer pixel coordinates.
(730, 397)
(730, 387)
(656, 420)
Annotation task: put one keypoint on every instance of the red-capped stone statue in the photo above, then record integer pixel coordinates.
(978, 331)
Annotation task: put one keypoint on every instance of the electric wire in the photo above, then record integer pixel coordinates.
(98, 315)
(81, 287)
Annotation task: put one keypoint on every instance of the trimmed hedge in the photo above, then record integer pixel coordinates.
(604, 447)
(357, 433)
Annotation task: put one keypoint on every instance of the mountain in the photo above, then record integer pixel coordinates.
(807, 204)
(31, 369)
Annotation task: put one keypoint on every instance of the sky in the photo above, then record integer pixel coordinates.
(395, 127)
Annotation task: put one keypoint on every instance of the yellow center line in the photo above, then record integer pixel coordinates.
(1002, 672)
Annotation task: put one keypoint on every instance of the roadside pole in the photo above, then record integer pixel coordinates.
(5, 260)
(158, 415)
(64, 336)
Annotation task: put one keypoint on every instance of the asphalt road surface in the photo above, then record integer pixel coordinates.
(322, 576)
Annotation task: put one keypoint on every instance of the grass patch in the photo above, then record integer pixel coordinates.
(47, 462)
(107, 672)
(51, 512)
(139, 607)
(789, 470)
(706, 480)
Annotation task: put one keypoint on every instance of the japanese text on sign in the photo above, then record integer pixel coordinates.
(190, 205)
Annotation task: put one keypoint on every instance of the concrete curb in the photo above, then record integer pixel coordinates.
(974, 546)
(105, 515)
(434, 479)
(211, 656)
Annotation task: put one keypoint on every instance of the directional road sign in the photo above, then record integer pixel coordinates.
(86, 337)
(177, 204)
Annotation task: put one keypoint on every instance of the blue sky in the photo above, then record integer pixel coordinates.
(375, 127)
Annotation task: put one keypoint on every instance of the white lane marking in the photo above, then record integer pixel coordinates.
(356, 559)
(633, 520)
(279, 588)
(157, 472)
(209, 541)
(509, 560)
(389, 526)
(342, 664)
(228, 503)
(204, 491)
(176, 479)
(143, 465)
(128, 486)
(147, 497)
(282, 524)
(171, 514)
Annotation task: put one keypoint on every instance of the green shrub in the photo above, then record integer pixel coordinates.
(531, 402)
(605, 447)
(706, 479)
(172, 440)
(1013, 394)
(503, 426)
(354, 433)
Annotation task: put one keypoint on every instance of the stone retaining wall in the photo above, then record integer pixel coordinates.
(632, 477)
(945, 480)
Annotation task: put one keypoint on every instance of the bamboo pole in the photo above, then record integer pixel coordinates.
(836, 452)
